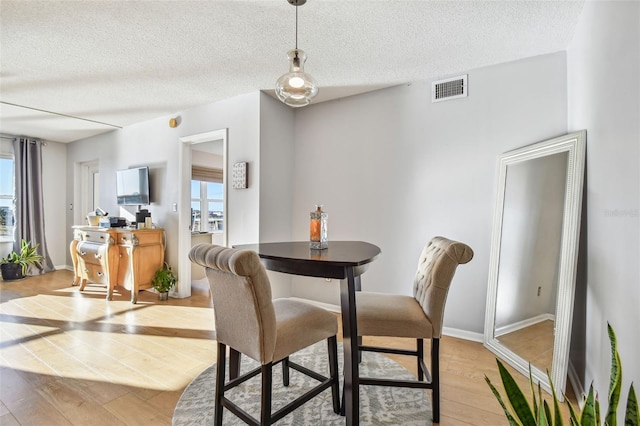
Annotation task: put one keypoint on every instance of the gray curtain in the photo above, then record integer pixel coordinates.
(29, 205)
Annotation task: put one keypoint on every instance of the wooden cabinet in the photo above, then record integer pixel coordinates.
(113, 256)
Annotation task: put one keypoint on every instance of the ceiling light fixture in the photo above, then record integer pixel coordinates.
(296, 88)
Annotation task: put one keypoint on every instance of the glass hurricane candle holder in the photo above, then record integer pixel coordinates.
(318, 229)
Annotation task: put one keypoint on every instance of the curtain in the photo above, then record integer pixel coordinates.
(206, 174)
(29, 201)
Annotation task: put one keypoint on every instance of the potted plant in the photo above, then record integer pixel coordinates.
(163, 281)
(3, 219)
(543, 413)
(14, 266)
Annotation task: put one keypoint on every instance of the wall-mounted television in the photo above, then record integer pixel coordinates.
(132, 186)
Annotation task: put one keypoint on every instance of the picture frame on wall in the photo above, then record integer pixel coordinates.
(239, 175)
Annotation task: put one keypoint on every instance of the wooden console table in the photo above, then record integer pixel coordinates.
(116, 256)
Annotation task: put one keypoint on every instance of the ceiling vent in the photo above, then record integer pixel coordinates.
(451, 88)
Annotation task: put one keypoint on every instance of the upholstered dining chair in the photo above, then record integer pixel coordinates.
(419, 316)
(251, 323)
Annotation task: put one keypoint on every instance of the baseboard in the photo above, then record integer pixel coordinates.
(576, 384)
(510, 328)
(447, 331)
(463, 334)
(61, 267)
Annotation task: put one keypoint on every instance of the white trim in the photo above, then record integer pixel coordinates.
(528, 322)
(87, 196)
(462, 334)
(183, 288)
(576, 384)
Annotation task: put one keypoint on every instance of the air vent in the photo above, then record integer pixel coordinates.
(451, 88)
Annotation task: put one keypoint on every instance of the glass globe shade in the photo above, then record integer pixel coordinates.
(296, 88)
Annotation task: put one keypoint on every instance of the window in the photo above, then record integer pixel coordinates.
(7, 199)
(207, 207)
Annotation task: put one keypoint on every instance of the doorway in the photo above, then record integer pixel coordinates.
(212, 217)
(88, 196)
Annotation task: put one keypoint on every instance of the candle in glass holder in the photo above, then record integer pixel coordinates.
(318, 229)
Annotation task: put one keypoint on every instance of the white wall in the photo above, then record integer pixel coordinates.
(154, 144)
(604, 98)
(394, 169)
(531, 238)
(206, 159)
(277, 147)
(276, 183)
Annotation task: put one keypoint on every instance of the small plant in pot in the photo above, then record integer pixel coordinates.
(163, 281)
(14, 266)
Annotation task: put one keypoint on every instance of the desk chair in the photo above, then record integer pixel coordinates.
(418, 317)
(249, 322)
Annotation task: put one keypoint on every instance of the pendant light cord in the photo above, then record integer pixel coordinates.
(296, 26)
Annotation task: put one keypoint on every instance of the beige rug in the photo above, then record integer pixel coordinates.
(378, 405)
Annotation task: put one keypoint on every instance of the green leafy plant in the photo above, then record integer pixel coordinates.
(521, 413)
(164, 279)
(27, 256)
(3, 216)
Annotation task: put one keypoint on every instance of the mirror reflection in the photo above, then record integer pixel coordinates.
(534, 257)
(529, 257)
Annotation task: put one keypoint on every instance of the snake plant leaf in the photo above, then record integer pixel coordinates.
(557, 416)
(588, 416)
(544, 414)
(510, 418)
(573, 418)
(533, 396)
(632, 418)
(615, 383)
(521, 407)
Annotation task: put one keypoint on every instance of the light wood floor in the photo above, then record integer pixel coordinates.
(534, 343)
(73, 358)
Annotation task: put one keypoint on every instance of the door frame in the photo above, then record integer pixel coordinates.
(85, 196)
(183, 288)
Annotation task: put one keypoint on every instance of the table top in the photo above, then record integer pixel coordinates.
(296, 257)
(344, 260)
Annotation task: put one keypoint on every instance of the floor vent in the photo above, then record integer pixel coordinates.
(451, 88)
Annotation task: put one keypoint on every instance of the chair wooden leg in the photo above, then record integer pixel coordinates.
(435, 379)
(285, 371)
(332, 346)
(265, 400)
(219, 392)
(420, 349)
(234, 364)
(342, 401)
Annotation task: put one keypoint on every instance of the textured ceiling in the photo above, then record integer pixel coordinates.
(123, 62)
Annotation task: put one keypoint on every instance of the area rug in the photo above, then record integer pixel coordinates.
(379, 405)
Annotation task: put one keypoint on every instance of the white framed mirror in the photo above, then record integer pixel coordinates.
(533, 261)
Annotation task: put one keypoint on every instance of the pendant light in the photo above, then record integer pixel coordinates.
(296, 88)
